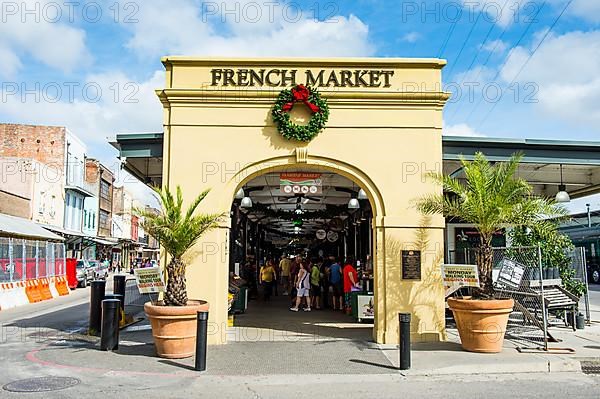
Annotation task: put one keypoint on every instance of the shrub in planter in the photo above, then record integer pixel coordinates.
(492, 198)
(177, 230)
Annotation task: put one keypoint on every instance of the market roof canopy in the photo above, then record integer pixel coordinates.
(141, 155)
(11, 226)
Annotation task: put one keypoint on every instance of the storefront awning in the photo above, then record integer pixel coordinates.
(103, 241)
(12, 226)
(62, 231)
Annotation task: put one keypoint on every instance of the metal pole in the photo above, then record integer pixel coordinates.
(586, 296)
(544, 315)
(589, 216)
(201, 335)
(11, 261)
(109, 338)
(119, 282)
(404, 332)
(96, 298)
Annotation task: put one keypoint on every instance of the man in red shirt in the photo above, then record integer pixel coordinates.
(350, 279)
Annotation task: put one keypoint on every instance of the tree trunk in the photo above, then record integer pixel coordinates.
(176, 294)
(485, 263)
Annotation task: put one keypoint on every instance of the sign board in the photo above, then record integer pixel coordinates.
(149, 280)
(411, 265)
(511, 273)
(365, 307)
(460, 275)
(293, 183)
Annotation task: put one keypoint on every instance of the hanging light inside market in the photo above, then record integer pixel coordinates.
(562, 195)
(246, 202)
(240, 194)
(353, 203)
(362, 195)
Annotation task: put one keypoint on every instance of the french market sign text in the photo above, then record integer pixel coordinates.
(291, 77)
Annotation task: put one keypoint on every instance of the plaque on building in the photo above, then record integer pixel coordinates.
(411, 265)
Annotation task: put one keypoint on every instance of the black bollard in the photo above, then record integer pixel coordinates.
(201, 333)
(96, 297)
(109, 337)
(119, 283)
(404, 330)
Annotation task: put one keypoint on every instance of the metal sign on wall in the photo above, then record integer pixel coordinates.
(292, 183)
(411, 265)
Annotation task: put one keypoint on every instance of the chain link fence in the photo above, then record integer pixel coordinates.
(22, 259)
(541, 298)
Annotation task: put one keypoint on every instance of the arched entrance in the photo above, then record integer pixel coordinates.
(305, 211)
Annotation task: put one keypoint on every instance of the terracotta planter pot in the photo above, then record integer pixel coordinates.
(481, 323)
(174, 328)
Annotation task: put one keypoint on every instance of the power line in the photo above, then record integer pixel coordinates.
(448, 35)
(506, 61)
(527, 61)
(487, 36)
(510, 53)
(465, 43)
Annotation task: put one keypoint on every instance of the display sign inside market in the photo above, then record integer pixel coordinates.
(293, 183)
(460, 275)
(149, 280)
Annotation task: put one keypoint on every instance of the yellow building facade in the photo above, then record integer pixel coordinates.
(384, 134)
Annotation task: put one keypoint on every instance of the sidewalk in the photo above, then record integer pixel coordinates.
(316, 343)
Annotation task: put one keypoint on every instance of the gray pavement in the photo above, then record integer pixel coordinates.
(272, 352)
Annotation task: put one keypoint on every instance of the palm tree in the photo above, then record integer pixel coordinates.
(177, 232)
(492, 198)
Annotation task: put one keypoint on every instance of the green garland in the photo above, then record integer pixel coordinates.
(292, 131)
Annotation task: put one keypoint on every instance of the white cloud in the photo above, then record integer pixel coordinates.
(461, 129)
(113, 103)
(411, 37)
(56, 44)
(164, 30)
(588, 10)
(496, 46)
(565, 71)
(477, 75)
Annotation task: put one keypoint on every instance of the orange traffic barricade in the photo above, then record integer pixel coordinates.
(33, 292)
(45, 289)
(61, 286)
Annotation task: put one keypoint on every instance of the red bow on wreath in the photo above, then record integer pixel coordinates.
(300, 94)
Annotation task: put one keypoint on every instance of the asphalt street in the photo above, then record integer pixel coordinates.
(56, 323)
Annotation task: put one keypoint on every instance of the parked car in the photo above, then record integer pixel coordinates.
(85, 272)
(101, 269)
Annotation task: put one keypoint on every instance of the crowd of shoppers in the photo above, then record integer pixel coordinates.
(315, 283)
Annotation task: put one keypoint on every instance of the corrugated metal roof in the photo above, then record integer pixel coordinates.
(12, 226)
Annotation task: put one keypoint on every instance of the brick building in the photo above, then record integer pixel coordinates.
(32, 172)
(42, 179)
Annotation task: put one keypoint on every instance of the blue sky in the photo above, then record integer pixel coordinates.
(547, 79)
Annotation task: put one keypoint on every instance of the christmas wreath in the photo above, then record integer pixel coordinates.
(284, 104)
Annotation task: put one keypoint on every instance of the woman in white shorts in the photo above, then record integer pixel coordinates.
(303, 288)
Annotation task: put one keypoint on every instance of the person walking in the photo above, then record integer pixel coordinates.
(267, 277)
(276, 277)
(350, 281)
(302, 285)
(335, 279)
(285, 265)
(315, 284)
(325, 282)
